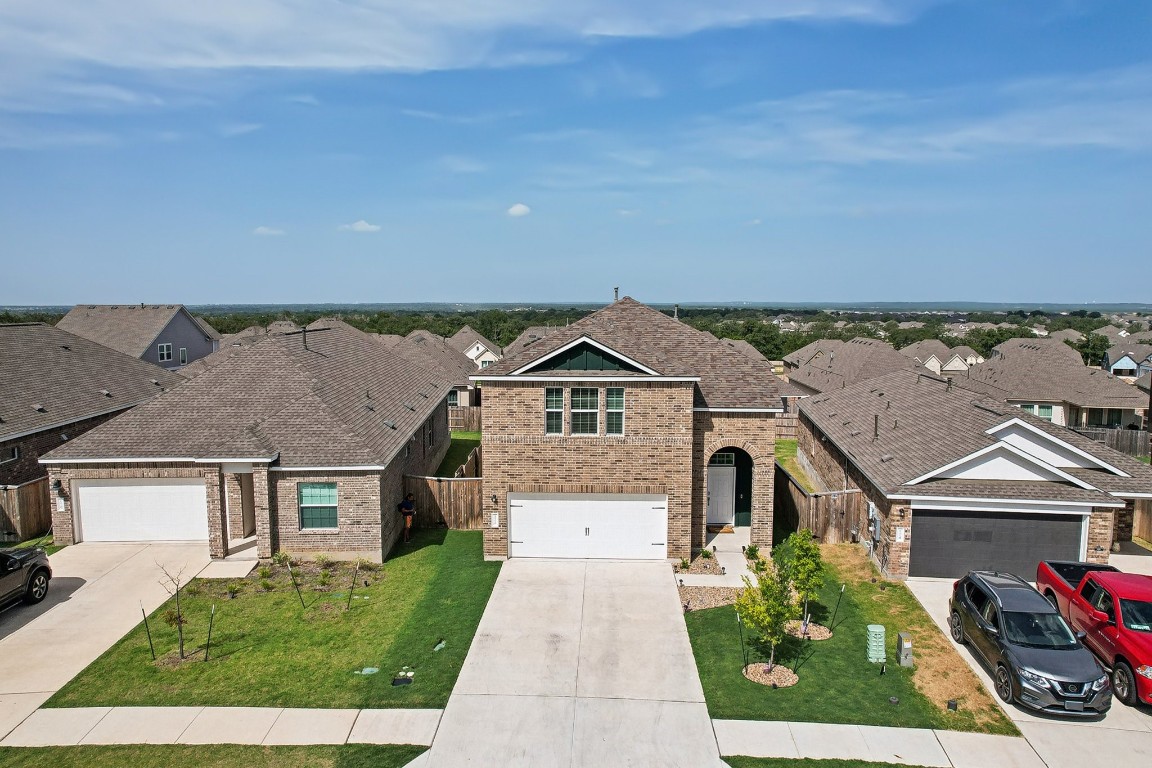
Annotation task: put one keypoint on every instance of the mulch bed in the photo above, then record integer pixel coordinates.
(779, 677)
(701, 565)
(701, 598)
(815, 631)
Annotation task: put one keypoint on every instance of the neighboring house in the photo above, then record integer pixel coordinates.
(930, 353)
(625, 435)
(790, 395)
(54, 387)
(854, 361)
(300, 441)
(436, 353)
(1002, 492)
(746, 349)
(1066, 334)
(809, 352)
(479, 350)
(960, 359)
(166, 335)
(1049, 379)
(1128, 360)
(531, 335)
(1112, 333)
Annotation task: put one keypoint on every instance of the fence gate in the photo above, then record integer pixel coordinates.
(454, 501)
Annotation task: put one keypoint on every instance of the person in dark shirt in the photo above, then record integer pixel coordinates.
(408, 509)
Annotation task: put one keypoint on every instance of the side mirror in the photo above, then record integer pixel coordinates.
(1081, 635)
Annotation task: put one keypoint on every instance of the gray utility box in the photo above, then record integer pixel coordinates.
(904, 649)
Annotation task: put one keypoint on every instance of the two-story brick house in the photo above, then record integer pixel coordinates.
(625, 435)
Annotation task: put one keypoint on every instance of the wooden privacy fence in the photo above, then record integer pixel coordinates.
(785, 426)
(1133, 442)
(25, 510)
(464, 418)
(834, 517)
(471, 467)
(1142, 519)
(454, 501)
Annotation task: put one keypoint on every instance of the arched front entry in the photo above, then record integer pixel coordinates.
(729, 487)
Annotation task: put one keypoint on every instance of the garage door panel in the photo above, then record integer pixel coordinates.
(949, 543)
(152, 510)
(601, 526)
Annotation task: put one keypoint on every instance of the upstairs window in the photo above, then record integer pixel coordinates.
(183, 356)
(553, 411)
(9, 453)
(164, 352)
(614, 404)
(585, 411)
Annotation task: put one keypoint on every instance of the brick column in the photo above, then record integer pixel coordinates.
(261, 494)
(217, 515)
(234, 505)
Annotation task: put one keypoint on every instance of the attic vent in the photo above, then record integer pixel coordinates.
(424, 395)
(887, 458)
(854, 433)
(369, 407)
(106, 393)
(65, 347)
(846, 423)
(156, 382)
(390, 424)
(409, 406)
(832, 413)
(40, 408)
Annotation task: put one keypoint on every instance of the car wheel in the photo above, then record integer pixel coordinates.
(956, 628)
(1004, 684)
(37, 588)
(1124, 683)
(1051, 598)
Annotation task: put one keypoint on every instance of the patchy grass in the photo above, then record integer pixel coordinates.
(463, 443)
(212, 756)
(1145, 459)
(268, 651)
(783, 762)
(44, 542)
(837, 684)
(786, 456)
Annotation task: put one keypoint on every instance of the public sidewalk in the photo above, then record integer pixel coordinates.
(907, 746)
(223, 725)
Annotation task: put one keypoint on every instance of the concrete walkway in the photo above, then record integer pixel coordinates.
(224, 725)
(95, 597)
(578, 664)
(729, 552)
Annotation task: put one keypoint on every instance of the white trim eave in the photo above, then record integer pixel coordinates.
(636, 378)
(576, 342)
(161, 460)
(362, 468)
(1036, 430)
(238, 460)
(1009, 502)
(738, 410)
(18, 435)
(1011, 449)
(1130, 495)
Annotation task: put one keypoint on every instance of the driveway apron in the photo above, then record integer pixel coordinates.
(578, 663)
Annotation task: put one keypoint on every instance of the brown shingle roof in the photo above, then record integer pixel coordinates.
(205, 326)
(857, 360)
(1044, 370)
(531, 335)
(922, 350)
(464, 338)
(728, 379)
(434, 352)
(330, 397)
(746, 349)
(70, 377)
(1138, 352)
(901, 426)
(811, 350)
(127, 328)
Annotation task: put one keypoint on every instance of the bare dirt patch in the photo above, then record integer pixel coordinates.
(779, 677)
(700, 598)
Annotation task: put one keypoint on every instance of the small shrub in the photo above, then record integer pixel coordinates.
(685, 564)
(759, 565)
(192, 590)
(281, 558)
(235, 588)
(365, 564)
(324, 578)
(266, 585)
(705, 554)
(323, 561)
(264, 572)
(174, 619)
(752, 552)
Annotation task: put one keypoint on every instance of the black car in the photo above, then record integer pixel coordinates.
(1034, 658)
(24, 574)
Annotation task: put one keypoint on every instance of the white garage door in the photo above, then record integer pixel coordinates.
(576, 525)
(141, 510)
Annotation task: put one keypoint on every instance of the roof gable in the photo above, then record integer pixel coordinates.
(127, 328)
(999, 461)
(1048, 448)
(585, 354)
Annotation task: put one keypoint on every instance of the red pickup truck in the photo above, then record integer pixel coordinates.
(1112, 613)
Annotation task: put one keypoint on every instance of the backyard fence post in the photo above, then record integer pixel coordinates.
(211, 621)
(148, 630)
(351, 589)
(832, 624)
(292, 575)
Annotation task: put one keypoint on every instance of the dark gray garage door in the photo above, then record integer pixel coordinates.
(950, 543)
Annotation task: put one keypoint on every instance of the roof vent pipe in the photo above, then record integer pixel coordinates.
(876, 428)
(676, 312)
(616, 293)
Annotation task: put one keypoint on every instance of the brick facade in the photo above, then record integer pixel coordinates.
(32, 447)
(664, 450)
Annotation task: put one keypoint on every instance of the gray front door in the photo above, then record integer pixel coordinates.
(949, 543)
(721, 495)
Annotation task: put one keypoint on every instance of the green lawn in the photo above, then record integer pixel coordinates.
(212, 756)
(1145, 459)
(781, 762)
(786, 455)
(43, 541)
(837, 683)
(463, 443)
(269, 652)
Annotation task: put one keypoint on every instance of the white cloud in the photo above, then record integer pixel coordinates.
(304, 98)
(268, 232)
(627, 212)
(230, 130)
(518, 209)
(359, 226)
(461, 164)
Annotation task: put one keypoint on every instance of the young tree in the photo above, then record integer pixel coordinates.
(767, 607)
(800, 558)
(173, 583)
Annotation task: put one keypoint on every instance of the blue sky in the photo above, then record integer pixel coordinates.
(757, 150)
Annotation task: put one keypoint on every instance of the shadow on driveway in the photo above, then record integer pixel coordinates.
(18, 615)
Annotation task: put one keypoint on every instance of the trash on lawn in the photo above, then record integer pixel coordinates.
(440, 645)
(366, 671)
(404, 677)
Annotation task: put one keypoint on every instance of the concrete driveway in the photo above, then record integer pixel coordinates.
(1122, 737)
(93, 600)
(578, 664)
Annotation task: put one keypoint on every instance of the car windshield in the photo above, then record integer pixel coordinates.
(1137, 614)
(1038, 630)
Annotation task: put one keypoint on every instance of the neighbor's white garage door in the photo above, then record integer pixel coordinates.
(604, 526)
(141, 510)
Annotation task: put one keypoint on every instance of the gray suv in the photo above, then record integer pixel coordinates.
(1033, 656)
(24, 574)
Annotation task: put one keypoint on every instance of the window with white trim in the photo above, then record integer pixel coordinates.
(183, 355)
(585, 411)
(553, 411)
(614, 410)
(1041, 410)
(164, 352)
(722, 460)
(317, 505)
(430, 433)
(453, 398)
(9, 453)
